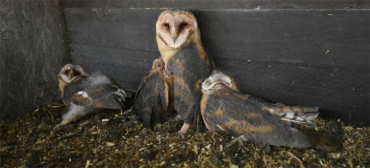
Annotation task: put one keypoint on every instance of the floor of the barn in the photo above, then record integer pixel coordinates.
(112, 140)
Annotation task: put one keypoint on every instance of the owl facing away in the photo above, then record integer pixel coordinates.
(250, 118)
(154, 99)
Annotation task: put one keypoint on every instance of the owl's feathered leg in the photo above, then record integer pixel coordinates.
(64, 122)
(239, 139)
(184, 129)
(74, 113)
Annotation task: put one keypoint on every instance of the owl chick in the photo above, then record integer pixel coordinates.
(83, 93)
(154, 100)
(250, 118)
(186, 60)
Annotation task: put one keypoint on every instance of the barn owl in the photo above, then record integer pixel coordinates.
(83, 93)
(250, 118)
(154, 100)
(186, 60)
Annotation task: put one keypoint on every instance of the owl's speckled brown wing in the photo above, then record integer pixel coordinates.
(152, 101)
(188, 69)
(86, 93)
(231, 112)
(105, 96)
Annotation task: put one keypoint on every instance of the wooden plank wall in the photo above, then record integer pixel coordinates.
(296, 53)
(33, 49)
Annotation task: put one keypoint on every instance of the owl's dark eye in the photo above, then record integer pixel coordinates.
(76, 73)
(183, 25)
(66, 72)
(167, 25)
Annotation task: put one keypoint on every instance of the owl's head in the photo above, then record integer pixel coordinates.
(219, 80)
(70, 73)
(176, 28)
(158, 63)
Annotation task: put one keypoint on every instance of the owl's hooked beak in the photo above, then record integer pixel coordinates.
(207, 85)
(174, 34)
(70, 74)
(216, 78)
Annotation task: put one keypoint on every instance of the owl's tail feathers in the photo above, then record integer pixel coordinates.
(298, 115)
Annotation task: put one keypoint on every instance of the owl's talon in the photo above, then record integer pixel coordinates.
(178, 117)
(127, 112)
(159, 125)
(57, 127)
(119, 98)
(241, 139)
(178, 134)
(124, 94)
(120, 94)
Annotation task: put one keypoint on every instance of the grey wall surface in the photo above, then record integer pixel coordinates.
(33, 50)
(313, 53)
(219, 4)
(311, 57)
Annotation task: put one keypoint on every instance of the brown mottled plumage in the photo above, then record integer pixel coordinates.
(154, 99)
(82, 92)
(247, 117)
(186, 60)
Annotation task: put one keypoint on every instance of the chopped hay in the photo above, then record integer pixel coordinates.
(111, 140)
